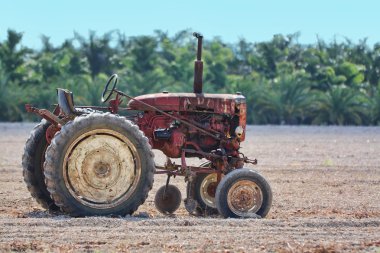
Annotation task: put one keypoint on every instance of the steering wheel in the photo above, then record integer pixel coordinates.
(108, 92)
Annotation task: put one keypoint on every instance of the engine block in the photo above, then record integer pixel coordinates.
(171, 136)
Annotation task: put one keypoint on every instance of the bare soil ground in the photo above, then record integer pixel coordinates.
(325, 181)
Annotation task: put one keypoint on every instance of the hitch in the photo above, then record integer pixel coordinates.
(46, 114)
(251, 161)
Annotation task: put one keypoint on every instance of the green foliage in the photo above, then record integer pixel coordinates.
(97, 51)
(284, 101)
(12, 55)
(352, 73)
(340, 106)
(11, 99)
(375, 107)
(284, 82)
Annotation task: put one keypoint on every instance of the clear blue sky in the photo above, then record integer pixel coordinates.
(230, 20)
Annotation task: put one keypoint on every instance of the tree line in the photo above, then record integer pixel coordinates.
(285, 82)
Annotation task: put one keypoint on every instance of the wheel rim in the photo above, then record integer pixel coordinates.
(244, 197)
(208, 189)
(101, 168)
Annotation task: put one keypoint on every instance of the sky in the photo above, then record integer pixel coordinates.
(230, 20)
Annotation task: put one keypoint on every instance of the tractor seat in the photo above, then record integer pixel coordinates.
(66, 102)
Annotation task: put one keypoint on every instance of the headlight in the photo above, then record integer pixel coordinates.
(239, 131)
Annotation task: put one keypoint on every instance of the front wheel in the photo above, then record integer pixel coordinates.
(203, 191)
(99, 164)
(243, 193)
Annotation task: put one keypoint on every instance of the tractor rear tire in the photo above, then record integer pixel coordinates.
(32, 163)
(99, 164)
(243, 193)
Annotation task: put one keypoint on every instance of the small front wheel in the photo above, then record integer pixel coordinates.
(203, 191)
(243, 193)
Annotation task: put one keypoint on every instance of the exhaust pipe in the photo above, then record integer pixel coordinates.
(198, 66)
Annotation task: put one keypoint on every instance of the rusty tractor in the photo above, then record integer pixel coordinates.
(89, 160)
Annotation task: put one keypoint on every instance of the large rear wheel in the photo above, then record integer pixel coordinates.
(99, 164)
(32, 163)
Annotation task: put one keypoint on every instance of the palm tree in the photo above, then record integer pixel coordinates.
(11, 97)
(97, 51)
(285, 102)
(373, 75)
(11, 56)
(340, 106)
(375, 107)
(218, 57)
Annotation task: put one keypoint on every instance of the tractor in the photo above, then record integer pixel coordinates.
(90, 160)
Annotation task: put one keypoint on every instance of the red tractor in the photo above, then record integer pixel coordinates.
(85, 161)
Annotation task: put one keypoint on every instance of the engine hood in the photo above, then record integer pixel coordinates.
(217, 103)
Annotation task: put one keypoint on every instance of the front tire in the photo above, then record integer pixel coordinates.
(203, 191)
(243, 193)
(99, 164)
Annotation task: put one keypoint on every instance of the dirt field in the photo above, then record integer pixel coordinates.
(326, 197)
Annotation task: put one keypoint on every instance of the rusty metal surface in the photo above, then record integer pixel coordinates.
(114, 104)
(46, 114)
(216, 103)
(244, 198)
(242, 118)
(102, 168)
(50, 132)
(209, 120)
(198, 65)
(198, 73)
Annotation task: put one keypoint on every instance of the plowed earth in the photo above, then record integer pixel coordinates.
(326, 197)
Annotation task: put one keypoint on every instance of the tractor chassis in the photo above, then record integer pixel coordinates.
(57, 118)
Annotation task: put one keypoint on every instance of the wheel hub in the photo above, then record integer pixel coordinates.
(244, 197)
(101, 169)
(211, 189)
